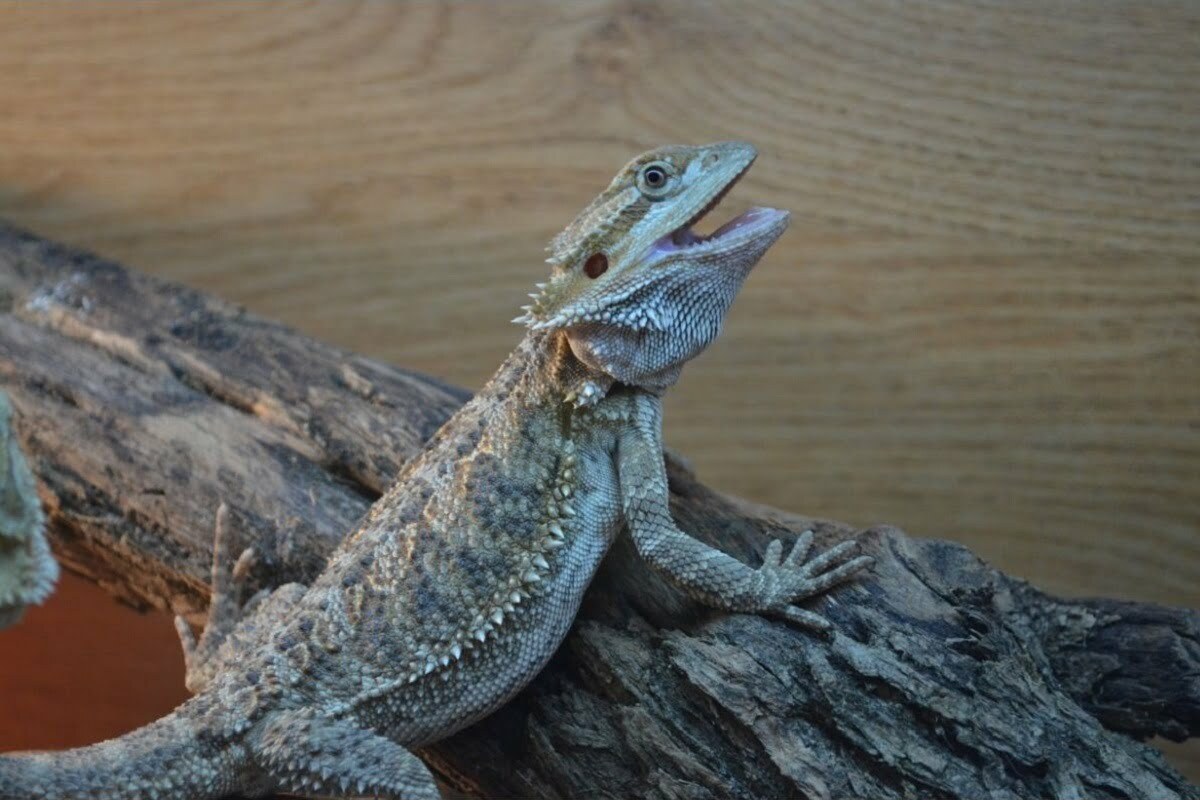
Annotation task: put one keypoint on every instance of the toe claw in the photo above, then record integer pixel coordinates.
(244, 564)
(826, 580)
(831, 557)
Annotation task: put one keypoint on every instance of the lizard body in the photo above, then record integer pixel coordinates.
(462, 580)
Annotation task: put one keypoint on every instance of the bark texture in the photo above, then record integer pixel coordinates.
(141, 404)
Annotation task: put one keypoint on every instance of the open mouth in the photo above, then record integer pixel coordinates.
(744, 226)
(747, 224)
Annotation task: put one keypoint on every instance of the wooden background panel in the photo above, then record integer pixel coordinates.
(983, 325)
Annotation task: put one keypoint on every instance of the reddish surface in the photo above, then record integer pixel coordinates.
(83, 668)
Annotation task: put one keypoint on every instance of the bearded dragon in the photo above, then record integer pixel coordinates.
(462, 580)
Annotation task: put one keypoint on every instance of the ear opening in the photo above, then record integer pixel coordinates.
(596, 265)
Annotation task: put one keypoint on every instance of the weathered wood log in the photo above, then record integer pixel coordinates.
(141, 404)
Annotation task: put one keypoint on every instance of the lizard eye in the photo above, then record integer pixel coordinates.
(596, 265)
(654, 180)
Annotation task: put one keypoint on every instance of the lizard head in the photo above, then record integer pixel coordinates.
(636, 291)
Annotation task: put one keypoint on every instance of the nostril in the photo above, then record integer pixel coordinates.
(711, 159)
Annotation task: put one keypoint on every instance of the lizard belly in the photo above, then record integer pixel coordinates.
(488, 674)
(451, 699)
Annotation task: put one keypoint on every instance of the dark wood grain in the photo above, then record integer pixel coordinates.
(140, 403)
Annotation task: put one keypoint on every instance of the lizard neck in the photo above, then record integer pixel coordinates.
(562, 377)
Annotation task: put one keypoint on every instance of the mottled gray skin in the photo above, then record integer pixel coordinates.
(465, 576)
(27, 569)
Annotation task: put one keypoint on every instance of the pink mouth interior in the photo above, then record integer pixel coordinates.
(686, 237)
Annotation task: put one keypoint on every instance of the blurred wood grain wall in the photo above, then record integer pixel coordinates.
(983, 325)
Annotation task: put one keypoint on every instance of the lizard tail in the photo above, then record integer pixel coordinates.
(168, 758)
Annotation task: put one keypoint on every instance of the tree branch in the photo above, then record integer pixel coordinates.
(141, 404)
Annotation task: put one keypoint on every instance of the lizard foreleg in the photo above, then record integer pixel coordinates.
(708, 575)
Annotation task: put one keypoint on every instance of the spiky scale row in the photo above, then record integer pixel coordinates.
(505, 604)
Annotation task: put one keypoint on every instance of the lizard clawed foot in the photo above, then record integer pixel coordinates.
(224, 610)
(784, 581)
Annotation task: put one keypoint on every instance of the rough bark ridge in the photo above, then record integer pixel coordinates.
(141, 404)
